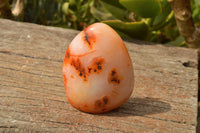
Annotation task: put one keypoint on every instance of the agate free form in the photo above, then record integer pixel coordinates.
(97, 70)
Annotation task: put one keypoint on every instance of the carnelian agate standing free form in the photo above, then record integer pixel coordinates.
(97, 70)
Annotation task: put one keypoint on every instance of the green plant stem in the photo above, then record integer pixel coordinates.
(183, 16)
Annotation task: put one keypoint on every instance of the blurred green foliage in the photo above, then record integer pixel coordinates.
(150, 20)
(154, 19)
(150, 16)
(62, 13)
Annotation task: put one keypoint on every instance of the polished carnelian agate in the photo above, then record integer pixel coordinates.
(97, 70)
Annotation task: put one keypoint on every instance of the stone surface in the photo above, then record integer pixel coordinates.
(33, 98)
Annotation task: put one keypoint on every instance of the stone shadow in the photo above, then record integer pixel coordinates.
(140, 107)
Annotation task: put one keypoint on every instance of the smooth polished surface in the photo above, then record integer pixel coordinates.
(97, 70)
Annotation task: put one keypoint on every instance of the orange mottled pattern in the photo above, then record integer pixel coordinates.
(114, 77)
(96, 69)
(101, 103)
(75, 62)
(89, 37)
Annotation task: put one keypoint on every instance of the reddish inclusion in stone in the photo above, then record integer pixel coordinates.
(67, 55)
(75, 62)
(102, 103)
(114, 77)
(65, 80)
(79, 68)
(88, 37)
(96, 67)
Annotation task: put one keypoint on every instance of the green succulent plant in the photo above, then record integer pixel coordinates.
(140, 19)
